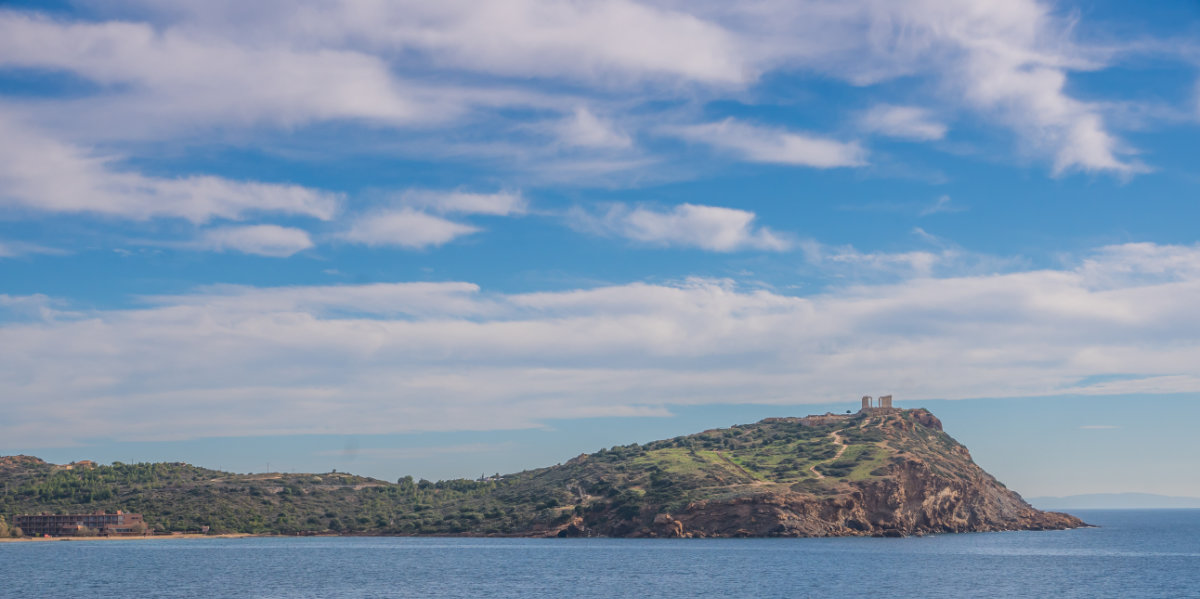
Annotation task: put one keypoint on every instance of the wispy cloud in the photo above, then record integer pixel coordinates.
(12, 249)
(204, 66)
(906, 122)
(460, 202)
(585, 129)
(941, 205)
(404, 227)
(263, 240)
(773, 145)
(183, 74)
(39, 173)
(712, 228)
(422, 356)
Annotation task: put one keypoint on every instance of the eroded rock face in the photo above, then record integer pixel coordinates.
(911, 501)
(930, 485)
(928, 419)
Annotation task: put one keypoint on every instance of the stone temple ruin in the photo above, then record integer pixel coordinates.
(869, 405)
(883, 403)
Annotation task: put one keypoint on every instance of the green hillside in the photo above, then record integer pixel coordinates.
(625, 490)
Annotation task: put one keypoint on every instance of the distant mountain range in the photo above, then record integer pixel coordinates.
(1113, 501)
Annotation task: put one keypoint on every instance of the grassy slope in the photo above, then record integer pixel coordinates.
(629, 481)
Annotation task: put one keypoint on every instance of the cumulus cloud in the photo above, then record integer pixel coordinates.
(43, 174)
(263, 240)
(772, 145)
(426, 356)
(404, 227)
(710, 228)
(907, 122)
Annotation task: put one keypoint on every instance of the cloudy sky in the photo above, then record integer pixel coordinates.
(446, 238)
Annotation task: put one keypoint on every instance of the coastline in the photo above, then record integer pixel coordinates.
(510, 536)
(129, 538)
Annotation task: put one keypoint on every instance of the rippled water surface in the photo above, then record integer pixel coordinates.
(1134, 554)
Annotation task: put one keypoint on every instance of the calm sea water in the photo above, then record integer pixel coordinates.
(1153, 553)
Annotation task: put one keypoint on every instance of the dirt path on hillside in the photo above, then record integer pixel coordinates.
(841, 449)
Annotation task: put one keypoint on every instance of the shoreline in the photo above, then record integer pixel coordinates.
(130, 538)
(497, 536)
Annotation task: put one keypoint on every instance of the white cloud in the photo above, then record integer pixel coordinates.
(1139, 263)
(850, 262)
(427, 300)
(609, 40)
(287, 64)
(942, 204)
(181, 74)
(426, 356)
(12, 249)
(404, 227)
(1014, 62)
(439, 356)
(585, 129)
(460, 202)
(411, 221)
(771, 145)
(710, 228)
(1007, 61)
(32, 307)
(907, 122)
(46, 175)
(263, 240)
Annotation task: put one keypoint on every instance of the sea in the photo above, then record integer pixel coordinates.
(1131, 553)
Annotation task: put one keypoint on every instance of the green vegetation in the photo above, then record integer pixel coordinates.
(625, 484)
(8, 531)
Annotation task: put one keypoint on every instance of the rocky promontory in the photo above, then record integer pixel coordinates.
(893, 473)
(879, 472)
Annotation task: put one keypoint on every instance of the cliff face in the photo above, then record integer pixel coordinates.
(927, 484)
(912, 500)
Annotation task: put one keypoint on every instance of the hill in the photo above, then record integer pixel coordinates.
(881, 472)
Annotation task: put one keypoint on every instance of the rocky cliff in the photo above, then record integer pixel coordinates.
(907, 477)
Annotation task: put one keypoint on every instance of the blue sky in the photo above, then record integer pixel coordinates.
(452, 238)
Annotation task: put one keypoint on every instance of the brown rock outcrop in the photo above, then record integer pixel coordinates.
(929, 485)
(911, 500)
